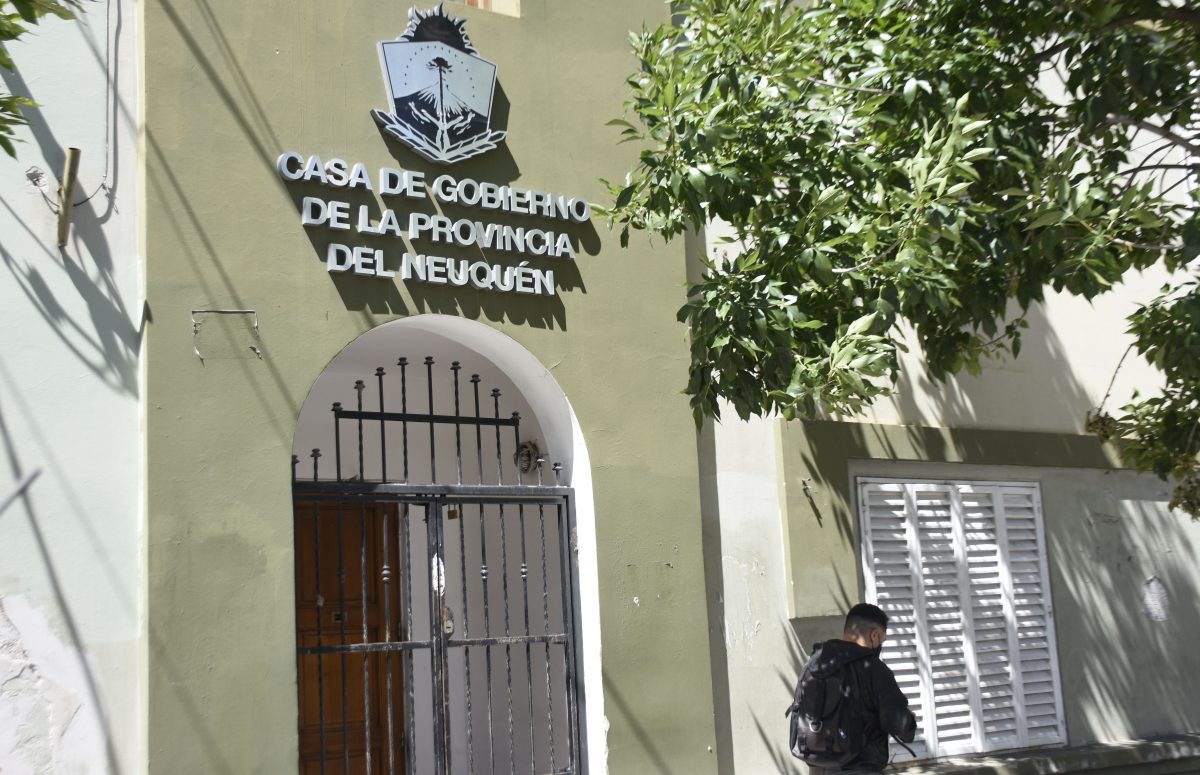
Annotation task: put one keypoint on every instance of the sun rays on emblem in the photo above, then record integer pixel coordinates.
(436, 26)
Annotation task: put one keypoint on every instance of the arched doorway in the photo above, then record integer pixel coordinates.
(436, 588)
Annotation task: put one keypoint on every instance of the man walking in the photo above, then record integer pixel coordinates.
(847, 702)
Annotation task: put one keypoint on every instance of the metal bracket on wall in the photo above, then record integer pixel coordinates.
(197, 323)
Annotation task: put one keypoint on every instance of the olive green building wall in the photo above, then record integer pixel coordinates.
(229, 85)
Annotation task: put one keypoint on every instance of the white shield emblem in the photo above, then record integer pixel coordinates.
(440, 89)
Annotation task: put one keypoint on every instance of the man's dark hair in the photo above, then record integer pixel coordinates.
(863, 618)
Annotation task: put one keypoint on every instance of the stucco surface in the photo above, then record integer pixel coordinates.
(70, 339)
(230, 85)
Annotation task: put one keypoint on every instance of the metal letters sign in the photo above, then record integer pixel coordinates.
(440, 89)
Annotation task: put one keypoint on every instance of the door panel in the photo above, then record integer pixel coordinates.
(333, 689)
(454, 617)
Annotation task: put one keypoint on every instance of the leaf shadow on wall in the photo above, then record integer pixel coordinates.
(107, 342)
(39, 525)
(1125, 675)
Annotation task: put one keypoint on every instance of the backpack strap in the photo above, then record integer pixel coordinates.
(911, 752)
(795, 706)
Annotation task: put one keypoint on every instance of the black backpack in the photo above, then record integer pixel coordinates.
(826, 717)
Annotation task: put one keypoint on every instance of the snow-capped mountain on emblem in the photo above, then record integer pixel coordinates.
(440, 89)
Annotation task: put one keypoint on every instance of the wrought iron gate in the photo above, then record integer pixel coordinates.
(435, 621)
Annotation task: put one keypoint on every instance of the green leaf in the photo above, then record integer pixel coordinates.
(1046, 219)
(862, 325)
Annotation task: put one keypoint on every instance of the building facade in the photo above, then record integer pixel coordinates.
(348, 439)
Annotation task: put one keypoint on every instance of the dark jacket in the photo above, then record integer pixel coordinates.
(886, 706)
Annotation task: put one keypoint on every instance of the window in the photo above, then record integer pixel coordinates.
(509, 7)
(960, 567)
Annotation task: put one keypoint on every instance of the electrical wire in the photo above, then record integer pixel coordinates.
(109, 88)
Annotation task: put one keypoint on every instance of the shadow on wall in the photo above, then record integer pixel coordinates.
(771, 723)
(43, 697)
(1039, 379)
(1041, 376)
(108, 343)
(1124, 673)
(772, 729)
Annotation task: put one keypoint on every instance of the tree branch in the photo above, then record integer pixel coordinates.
(864, 89)
(1144, 245)
(1165, 134)
(1058, 48)
(1185, 15)
(1144, 167)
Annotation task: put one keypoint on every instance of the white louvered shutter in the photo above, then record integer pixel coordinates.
(960, 568)
(1026, 557)
(945, 618)
(892, 586)
(991, 619)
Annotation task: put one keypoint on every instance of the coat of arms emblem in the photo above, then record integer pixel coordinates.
(440, 89)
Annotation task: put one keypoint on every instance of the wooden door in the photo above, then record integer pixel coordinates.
(335, 543)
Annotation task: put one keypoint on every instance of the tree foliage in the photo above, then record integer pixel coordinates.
(936, 163)
(15, 16)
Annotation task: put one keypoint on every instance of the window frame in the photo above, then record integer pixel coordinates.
(506, 7)
(906, 485)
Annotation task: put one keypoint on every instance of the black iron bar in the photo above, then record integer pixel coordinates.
(546, 625)
(408, 671)
(455, 366)
(380, 648)
(568, 604)
(329, 490)
(512, 765)
(478, 427)
(422, 417)
(528, 645)
(319, 604)
(466, 608)
(487, 631)
(358, 388)
(385, 575)
(362, 528)
(441, 726)
(379, 372)
(499, 456)
(511, 640)
(516, 423)
(337, 439)
(429, 396)
(403, 364)
(342, 636)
